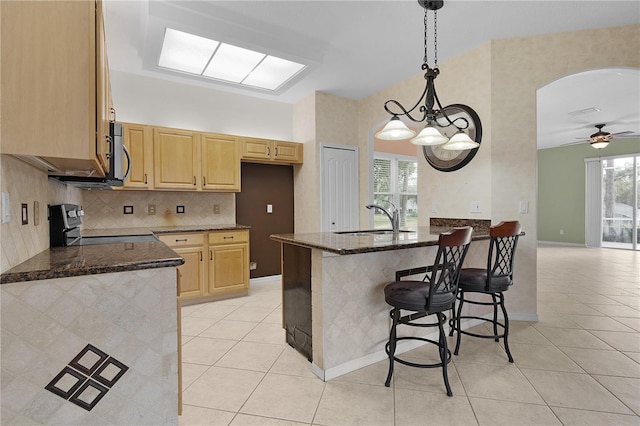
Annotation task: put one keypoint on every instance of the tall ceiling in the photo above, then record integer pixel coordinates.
(356, 48)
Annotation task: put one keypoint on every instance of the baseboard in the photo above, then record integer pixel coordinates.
(265, 279)
(356, 364)
(560, 243)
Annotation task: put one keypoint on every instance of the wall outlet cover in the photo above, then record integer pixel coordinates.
(128, 210)
(216, 209)
(25, 213)
(151, 209)
(180, 209)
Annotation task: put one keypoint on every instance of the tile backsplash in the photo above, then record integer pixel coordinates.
(26, 184)
(105, 209)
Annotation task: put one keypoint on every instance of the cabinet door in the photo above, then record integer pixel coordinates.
(139, 141)
(176, 164)
(220, 163)
(191, 272)
(104, 106)
(228, 268)
(49, 63)
(288, 152)
(258, 149)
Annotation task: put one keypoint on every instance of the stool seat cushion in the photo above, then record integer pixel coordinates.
(475, 280)
(413, 295)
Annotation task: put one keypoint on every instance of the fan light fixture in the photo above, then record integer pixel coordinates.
(395, 129)
(600, 139)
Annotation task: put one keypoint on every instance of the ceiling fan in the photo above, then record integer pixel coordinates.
(601, 138)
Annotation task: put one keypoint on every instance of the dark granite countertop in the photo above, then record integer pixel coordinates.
(162, 229)
(61, 262)
(352, 244)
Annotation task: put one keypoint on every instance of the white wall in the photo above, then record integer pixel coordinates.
(150, 100)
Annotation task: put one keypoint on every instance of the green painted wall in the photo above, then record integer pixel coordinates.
(561, 188)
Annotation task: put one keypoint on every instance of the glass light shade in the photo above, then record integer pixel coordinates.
(429, 136)
(600, 144)
(395, 130)
(460, 142)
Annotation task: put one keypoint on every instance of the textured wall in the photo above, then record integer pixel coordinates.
(104, 209)
(27, 184)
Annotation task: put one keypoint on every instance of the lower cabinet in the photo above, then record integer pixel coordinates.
(228, 262)
(216, 264)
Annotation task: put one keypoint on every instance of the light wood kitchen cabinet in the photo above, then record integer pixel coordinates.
(176, 155)
(138, 139)
(270, 151)
(228, 262)
(220, 163)
(55, 85)
(192, 273)
(216, 263)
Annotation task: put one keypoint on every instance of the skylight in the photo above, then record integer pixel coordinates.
(201, 56)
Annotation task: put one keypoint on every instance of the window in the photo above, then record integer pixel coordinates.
(395, 180)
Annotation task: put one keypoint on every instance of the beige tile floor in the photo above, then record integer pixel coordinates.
(579, 365)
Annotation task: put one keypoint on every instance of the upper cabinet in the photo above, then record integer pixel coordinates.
(138, 139)
(195, 161)
(270, 151)
(176, 155)
(220, 163)
(55, 86)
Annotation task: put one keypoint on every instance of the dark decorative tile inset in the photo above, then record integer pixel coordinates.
(87, 378)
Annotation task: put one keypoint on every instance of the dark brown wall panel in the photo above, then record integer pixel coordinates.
(264, 184)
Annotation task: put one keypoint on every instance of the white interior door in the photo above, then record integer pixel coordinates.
(339, 189)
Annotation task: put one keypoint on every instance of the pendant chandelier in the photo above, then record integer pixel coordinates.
(395, 129)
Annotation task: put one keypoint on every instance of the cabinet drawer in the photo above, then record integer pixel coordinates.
(181, 240)
(228, 237)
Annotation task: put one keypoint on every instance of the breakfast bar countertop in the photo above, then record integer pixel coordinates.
(348, 243)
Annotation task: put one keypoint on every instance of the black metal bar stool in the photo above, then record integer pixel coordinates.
(492, 281)
(433, 295)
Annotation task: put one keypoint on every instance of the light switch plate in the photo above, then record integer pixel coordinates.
(269, 208)
(524, 207)
(475, 207)
(6, 208)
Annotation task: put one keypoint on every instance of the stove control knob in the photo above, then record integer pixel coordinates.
(72, 213)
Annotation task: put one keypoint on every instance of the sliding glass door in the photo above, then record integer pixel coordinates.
(621, 202)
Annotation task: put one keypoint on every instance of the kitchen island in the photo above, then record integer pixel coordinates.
(333, 301)
(90, 336)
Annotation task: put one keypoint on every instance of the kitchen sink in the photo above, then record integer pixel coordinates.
(370, 232)
(116, 239)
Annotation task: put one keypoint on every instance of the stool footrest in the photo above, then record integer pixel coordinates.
(413, 364)
(482, 336)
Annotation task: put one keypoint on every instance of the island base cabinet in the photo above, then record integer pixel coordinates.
(296, 298)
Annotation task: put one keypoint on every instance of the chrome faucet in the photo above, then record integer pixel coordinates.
(393, 216)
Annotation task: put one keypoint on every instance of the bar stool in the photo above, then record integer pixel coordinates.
(433, 295)
(492, 281)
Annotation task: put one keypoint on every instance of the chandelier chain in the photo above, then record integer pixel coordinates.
(426, 56)
(435, 38)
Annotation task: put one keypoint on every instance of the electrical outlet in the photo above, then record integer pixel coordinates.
(475, 207)
(216, 209)
(434, 207)
(180, 209)
(524, 207)
(128, 210)
(253, 266)
(151, 209)
(562, 232)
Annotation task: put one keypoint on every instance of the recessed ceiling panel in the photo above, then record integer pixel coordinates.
(273, 72)
(185, 52)
(232, 63)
